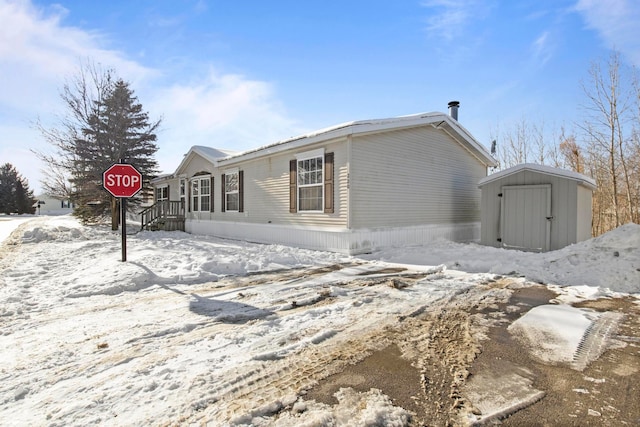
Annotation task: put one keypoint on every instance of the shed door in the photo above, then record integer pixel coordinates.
(525, 218)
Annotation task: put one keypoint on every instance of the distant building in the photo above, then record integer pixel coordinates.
(47, 205)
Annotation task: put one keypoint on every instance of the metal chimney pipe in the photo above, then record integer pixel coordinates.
(453, 109)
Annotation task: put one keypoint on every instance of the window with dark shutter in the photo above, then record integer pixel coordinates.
(232, 189)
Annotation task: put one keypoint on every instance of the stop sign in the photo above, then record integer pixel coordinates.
(122, 180)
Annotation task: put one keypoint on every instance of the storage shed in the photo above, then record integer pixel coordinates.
(535, 208)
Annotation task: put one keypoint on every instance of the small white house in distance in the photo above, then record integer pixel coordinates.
(350, 188)
(47, 205)
(535, 208)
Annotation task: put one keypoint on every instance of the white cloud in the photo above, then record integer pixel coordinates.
(449, 18)
(617, 23)
(542, 48)
(38, 51)
(224, 111)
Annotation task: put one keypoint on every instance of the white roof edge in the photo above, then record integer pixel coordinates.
(359, 127)
(209, 153)
(549, 170)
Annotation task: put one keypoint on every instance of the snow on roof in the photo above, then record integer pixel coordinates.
(548, 170)
(438, 120)
(211, 154)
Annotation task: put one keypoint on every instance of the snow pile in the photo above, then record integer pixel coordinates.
(184, 327)
(610, 261)
(553, 333)
(353, 409)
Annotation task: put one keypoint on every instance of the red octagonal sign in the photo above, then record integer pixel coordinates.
(122, 180)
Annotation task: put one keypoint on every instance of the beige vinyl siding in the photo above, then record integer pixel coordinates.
(196, 165)
(411, 177)
(266, 191)
(174, 189)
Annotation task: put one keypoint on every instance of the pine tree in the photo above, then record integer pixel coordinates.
(105, 124)
(15, 195)
(118, 130)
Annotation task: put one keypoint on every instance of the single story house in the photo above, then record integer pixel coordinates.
(47, 205)
(350, 188)
(535, 208)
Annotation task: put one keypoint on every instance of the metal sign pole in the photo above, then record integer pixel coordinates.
(123, 224)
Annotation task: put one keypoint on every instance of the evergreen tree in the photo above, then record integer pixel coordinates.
(15, 195)
(119, 129)
(105, 124)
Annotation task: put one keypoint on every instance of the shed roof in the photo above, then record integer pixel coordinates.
(547, 170)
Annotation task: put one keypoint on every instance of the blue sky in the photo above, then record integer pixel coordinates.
(242, 74)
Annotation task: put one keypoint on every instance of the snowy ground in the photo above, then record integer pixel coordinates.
(196, 329)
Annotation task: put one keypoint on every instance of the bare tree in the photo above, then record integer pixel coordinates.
(607, 109)
(81, 96)
(572, 154)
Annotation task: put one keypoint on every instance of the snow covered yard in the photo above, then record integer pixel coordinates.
(195, 329)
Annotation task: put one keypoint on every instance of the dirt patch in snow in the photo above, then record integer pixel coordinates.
(457, 364)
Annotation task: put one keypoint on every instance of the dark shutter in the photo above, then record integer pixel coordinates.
(222, 193)
(188, 184)
(328, 183)
(293, 181)
(240, 191)
(168, 193)
(211, 195)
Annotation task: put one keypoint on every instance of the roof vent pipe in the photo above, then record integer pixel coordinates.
(453, 109)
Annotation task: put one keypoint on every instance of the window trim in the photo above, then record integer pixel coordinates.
(239, 191)
(301, 157)
(227, 173)
(162, 189)
(197, 207)
(328, 185)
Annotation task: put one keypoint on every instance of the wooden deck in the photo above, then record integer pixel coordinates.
(163, 215)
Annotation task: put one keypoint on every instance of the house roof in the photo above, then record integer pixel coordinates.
(210, 154)
(437, 120)
(547, 170)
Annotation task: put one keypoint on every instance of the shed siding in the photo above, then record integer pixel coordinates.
(568, 203)
(411, 177)
(584, 215)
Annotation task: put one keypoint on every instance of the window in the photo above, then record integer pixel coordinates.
(201, 194)
(162, 193)
(231, 191)
(311, 182)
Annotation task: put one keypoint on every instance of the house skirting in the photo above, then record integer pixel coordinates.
(350, 242)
